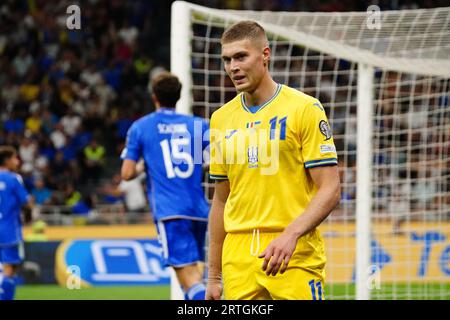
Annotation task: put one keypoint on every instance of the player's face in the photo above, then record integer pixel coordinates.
(245, 63)
(13, 163)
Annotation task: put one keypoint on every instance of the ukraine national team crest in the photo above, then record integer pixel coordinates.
(252, 155)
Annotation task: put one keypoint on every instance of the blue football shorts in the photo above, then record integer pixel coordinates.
(12, 254)
(182, 241)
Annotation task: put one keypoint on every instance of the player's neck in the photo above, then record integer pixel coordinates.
(263, 93)
(162, 109)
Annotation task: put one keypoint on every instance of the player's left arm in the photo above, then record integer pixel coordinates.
(320, 161)
(280, 250)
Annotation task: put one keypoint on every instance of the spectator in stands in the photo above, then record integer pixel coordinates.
(42, 195)
(27, 171)
(59, 170)
(110, 191)
(121, 121)
(22, 62)
(91, 76)
(34, 121)
(9, 93)
(94, 159)
(135, 200)
(14, 124)
(70, 122)
(81, 139)
(58, 137)
(130, 193)
(48, 121)
(142, 67)
(129, 34)
(106, 95)
(72, 197)
(28, 151)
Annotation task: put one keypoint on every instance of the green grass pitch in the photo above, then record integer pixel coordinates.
(54, 292)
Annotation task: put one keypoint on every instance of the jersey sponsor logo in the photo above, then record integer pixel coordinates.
(325, 129)
(230, 134)
(2, 185)
(325, 148)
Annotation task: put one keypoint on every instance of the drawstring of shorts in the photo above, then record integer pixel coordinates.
(255, 253)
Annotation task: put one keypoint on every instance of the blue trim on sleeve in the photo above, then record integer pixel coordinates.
(218, 177)
(321, 162)
(317, 104)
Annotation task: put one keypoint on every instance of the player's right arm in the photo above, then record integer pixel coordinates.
(28, 209)
(26, 200)
(131, 168)
(216, 238)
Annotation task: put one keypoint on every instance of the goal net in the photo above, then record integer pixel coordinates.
(383, 78)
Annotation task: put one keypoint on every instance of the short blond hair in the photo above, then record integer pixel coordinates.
(247, 29)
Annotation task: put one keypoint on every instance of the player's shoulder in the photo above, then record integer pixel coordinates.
(142, 122)
(10, 177)
(224, 111)
(186, 121)
(18, 178)
(302, 102)
(302, 99)
(189, 118)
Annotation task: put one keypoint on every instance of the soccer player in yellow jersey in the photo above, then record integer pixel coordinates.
(275, 166)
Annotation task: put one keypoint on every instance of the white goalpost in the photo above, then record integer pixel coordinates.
(384, 80)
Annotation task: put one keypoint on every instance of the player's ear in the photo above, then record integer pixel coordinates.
(266, 55)
(155, 99)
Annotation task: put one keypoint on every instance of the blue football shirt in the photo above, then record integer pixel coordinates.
(12, 196)
(172, 146)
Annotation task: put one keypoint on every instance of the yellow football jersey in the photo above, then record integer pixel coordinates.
(264, 152)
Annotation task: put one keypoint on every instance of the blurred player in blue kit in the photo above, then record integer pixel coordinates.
(172, 146)
(13, 196)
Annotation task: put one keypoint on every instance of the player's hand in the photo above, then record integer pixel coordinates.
(278, 253)
(140, 167)
(214, 288)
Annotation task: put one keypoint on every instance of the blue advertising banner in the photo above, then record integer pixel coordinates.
(111, 262)
(38, 266)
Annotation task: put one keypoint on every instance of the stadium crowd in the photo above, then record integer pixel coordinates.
(68, 97)
(324, 5)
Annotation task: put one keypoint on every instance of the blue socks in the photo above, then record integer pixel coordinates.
(196, 292)
(8, 287)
